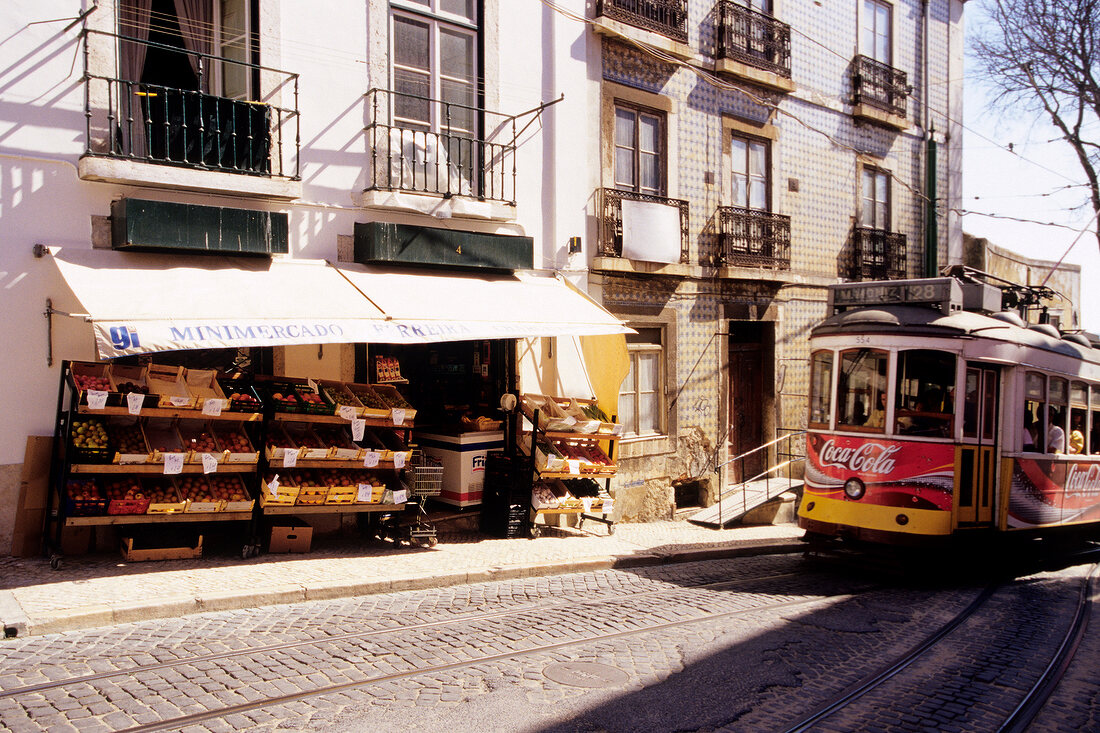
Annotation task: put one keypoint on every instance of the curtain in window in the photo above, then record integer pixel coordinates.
(133, 22)
(196, 18)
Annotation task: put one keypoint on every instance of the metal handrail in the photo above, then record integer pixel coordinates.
(449, 160)
(765, 474)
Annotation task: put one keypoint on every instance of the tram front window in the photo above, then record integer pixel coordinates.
(861, 389)
(821, 388)
(925, 394)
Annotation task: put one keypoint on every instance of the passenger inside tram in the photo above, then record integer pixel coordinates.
(1056, 434)
(1077, 432)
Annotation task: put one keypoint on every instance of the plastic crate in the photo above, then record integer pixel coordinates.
(81, 453)
(122, 496)
(83, 498)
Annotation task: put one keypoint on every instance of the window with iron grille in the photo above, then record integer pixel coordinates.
(875, 199)
(639, 149)
(876, 37)
(751, 173)
(434, 65)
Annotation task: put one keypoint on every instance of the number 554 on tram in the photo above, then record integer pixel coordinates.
(933, 413)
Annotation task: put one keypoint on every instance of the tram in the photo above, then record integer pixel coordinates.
(933, 414)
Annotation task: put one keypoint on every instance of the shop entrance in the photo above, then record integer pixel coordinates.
(750, 393)
(447, 381)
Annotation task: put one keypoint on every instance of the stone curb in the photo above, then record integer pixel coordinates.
(51, 622)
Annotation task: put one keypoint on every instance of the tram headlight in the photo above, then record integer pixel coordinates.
(854, 489)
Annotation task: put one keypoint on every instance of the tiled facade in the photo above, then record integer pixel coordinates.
(817, 150)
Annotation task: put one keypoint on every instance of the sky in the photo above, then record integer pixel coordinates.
(1037, 179)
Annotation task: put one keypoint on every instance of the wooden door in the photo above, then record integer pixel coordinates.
(746, 410)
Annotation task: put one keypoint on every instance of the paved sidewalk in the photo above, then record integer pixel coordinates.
(102, 589)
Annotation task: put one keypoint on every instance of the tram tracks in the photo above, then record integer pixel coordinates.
(521, 609)
(1031, 702)
(665, 609)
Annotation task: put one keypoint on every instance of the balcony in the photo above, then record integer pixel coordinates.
(641, 233)
(754, 47)
(661, 24)
(430, 148)
(750, 238)
(168, 136)
(879, 92)
(878, 255)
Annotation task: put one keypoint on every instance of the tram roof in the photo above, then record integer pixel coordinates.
(924, 321)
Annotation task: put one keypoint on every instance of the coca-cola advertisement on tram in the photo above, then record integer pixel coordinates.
(1046, 492)
(913, 475)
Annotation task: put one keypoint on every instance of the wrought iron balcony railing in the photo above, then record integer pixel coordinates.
(193, 128)
(666, 17)
(611, 219)
(751, 238)
(446, 157)
(753, 38)
(878, 254)
(880, 86)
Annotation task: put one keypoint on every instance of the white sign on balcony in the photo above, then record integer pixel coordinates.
(651, 231)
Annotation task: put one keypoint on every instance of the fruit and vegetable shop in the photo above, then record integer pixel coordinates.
(268, 405)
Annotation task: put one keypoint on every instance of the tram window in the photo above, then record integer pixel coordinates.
(1078, 418)
(861, 389)
(970, 403)
(925, 394)
(1057, 415)
(1094, 423)
(1035, 407)
(821, 387)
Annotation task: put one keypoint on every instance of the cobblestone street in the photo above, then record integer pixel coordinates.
(731, 644)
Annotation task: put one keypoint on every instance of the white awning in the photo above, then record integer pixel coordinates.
(461, 307)
(140, 303)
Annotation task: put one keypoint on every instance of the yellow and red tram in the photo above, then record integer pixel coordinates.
(934, 413)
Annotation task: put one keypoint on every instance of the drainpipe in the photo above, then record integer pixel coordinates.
(931, 230)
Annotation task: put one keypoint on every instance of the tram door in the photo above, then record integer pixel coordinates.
(976, 458)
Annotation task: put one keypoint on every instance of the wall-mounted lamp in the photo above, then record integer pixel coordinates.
(574, 245)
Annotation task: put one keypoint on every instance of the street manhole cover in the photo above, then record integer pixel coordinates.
(585, 674)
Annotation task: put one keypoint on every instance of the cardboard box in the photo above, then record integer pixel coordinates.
(295, 538)
(138, 554)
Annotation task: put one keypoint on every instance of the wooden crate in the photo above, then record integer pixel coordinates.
(202, 384)
(287, 494)
(168, 383)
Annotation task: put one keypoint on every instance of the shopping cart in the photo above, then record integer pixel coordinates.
(423, 478)
(426, 477)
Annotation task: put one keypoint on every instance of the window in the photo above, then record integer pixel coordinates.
(1057, 394)
(875, 199)
(861, 389)
(1094, 422)
(639, 149)
(821, 388)
(924, 395)
(434, 65)
(220, 28)
(641, 397)
(1035, 408)
(751, 173)
(876, 36)
(1078, 441)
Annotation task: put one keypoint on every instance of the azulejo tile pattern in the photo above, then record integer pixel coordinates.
(817, 153)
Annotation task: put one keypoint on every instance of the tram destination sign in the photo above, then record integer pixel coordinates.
(944, 292)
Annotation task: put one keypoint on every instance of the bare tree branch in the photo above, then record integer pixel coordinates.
(1044, 56)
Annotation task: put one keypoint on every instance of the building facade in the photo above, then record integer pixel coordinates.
(702, 168)
(398, 134)
(751, 153)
